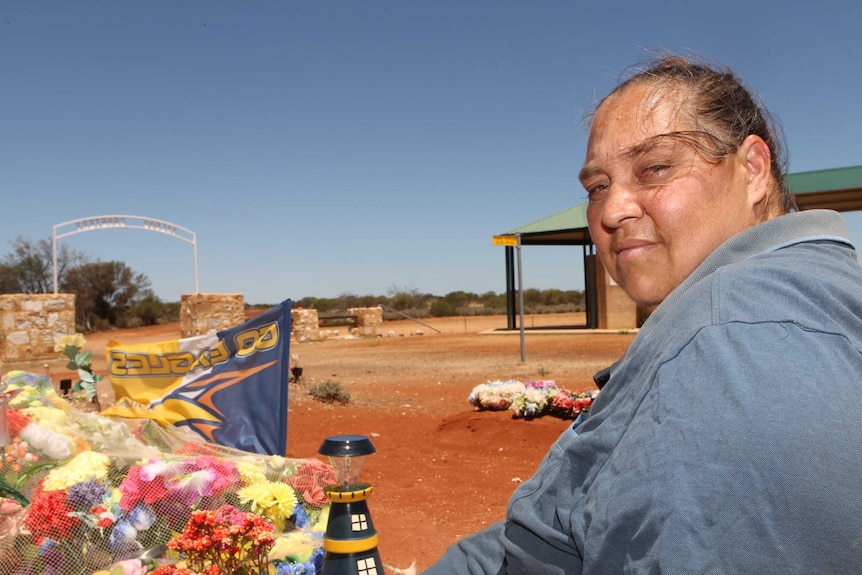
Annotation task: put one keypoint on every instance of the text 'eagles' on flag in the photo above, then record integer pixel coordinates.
(230, 387)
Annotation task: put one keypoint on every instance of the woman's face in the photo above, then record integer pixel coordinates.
(656, 208)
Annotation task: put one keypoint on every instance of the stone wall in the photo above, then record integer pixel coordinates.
(369, 321)
(202, 313)
(304, 325)
(30, 325)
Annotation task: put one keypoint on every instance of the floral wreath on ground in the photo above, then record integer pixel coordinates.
(531, 398)
(82, 493)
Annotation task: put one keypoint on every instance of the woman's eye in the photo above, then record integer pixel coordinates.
(595, 191)
(654, 173)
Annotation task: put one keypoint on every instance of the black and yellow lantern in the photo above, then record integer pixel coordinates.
(350, 541)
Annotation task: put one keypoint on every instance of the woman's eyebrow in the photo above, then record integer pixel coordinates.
(637, 149)
(588, 172)
(646, 145)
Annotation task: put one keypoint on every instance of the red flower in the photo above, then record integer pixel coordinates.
(50, 515)
(310, 479)
(16, 421)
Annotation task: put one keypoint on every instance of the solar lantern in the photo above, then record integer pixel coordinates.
(350, 541)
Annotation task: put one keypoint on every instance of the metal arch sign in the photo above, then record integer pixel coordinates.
(131, 222)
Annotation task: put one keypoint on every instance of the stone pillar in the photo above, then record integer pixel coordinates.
(30, 325)
(368, 321)
(305, 325)
(203, 313)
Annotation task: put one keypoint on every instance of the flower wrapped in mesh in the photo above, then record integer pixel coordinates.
(124, 489)
(496, 395)
(228, 539)
(310, 480)
(50, 516)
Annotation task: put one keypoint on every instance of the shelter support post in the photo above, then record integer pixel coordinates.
(511, 308)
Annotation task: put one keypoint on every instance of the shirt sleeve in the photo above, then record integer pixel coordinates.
(479, 554)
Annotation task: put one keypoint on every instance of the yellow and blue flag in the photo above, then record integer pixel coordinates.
(230, 387)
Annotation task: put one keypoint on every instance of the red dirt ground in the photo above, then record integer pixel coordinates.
(442, 469)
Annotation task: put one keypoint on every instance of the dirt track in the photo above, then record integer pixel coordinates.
(442, 469)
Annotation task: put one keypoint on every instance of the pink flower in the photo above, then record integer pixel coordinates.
(131, 567)
(225, 472)
(135, 489)
(9, 506)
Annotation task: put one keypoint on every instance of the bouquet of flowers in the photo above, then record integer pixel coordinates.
(569, 404)
(496, 395)
(535, 400)
(532, 398)
(82, 494)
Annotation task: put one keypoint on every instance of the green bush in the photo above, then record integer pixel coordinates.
(329, 392)
(443, 308)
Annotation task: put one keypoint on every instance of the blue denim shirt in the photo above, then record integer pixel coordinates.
(727, 439)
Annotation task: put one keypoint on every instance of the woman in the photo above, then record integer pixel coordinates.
(726, 439)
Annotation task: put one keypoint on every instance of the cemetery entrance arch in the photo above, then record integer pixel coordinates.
(113, 222)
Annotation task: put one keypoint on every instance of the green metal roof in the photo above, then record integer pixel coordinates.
(568, 227)
(825, 180)
(837, 189)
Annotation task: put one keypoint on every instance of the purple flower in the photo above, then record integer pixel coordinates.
(86, 495)
(141, 517)
(122, 540)
(52, 558)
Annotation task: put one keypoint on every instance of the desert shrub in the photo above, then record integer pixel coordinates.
(329, 392)
(443, 308)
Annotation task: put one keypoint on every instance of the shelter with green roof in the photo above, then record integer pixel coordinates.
(607, 306)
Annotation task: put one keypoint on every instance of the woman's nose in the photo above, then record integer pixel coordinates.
(620, 204)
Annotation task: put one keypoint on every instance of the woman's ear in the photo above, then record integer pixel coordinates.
(758, 168)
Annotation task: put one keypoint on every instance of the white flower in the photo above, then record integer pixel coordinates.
(53, 444)
(160, 467)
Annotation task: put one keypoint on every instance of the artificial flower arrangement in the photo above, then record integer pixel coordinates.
(81, 361)
(496, 395)
(532, 398)
(83, 494)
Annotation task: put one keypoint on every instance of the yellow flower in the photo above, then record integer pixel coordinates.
(86, 466)
(75, 340)
(250, 472)
(274, 501)
(51, 417)
(296, 545)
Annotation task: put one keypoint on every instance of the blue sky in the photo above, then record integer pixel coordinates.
(318, 148)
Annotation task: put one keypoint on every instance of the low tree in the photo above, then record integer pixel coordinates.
(29, 267)
(105, 291)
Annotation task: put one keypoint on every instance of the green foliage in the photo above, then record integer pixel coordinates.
(105, 292)
(150, 310)
(418, 305)
(29, 267)
(443, 308)
(329, 392)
